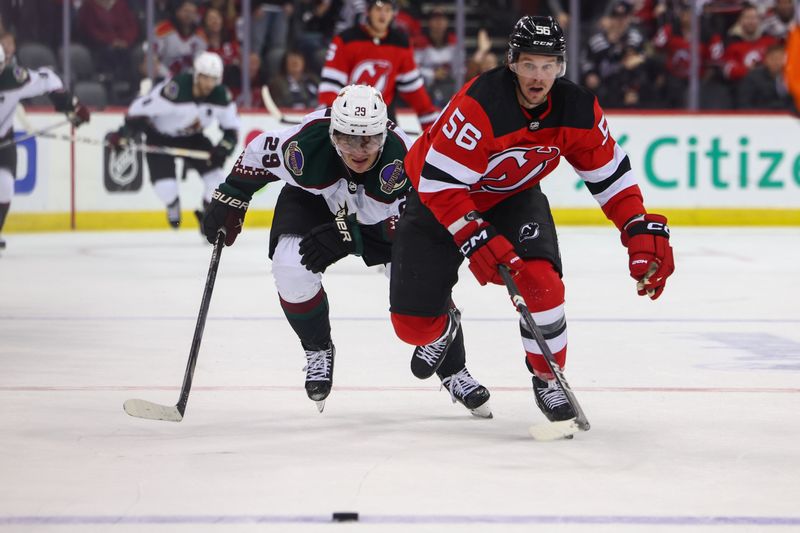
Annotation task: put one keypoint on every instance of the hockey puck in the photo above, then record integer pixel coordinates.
(345, 517)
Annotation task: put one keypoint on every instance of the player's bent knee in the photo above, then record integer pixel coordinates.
(539, 282)
(418, 330)
(295, 282)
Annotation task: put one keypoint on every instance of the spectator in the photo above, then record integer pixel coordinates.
(8, 42)
(615, 66)
(270, 25)
(764, 86)
(220, 41)
(407, 19)
(352, 12)
(294, 86)
(312, 28)
(179, 39)
(792, 72)
(109, 28)
(746, 45)
(780, 20)
(258, 78)
(483, 59)
(435, 58)
(672, 40)
(226, 8)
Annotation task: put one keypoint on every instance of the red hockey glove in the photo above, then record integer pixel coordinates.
(79, 115)
(487, 250)
(117, 141)
(649, 253)
(225, 213)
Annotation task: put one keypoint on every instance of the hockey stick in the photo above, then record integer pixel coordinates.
(174, 413)
(553, 430)
(273, 109)
(32, 134)
(146, 148)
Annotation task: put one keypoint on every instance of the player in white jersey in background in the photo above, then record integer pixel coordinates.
(17, 83)
(174, 114)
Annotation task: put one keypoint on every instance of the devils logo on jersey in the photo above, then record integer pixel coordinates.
(373, 72)
(529, 230)
(516, 167)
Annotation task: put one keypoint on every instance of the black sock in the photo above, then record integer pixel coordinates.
(3, 212)
(455, 359)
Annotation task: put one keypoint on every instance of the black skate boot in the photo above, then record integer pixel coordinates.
(428, 358)
(551, 400)
(466, 390)
(319, 373)
(2, 243)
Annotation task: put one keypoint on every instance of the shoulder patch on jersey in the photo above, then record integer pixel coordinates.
(21, 74)
(171, 90)
(294, 159)
(392, 177)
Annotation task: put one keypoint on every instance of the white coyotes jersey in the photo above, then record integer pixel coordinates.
(173, 111)
(18, 83)
(304, 157)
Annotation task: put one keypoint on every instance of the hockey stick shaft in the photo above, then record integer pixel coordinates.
(201, 323)
(174, 413)
(32, 134)
(555, 369)
(146, 148)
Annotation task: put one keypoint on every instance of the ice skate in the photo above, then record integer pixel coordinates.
(319, 373)
(174, 213)
(551, 400)
(428, 358)
(465, 389)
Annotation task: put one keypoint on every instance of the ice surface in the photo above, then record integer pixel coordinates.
(693, 399)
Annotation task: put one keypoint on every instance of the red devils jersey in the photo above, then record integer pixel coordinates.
(484, 148)
(386, 64)
(741, 55)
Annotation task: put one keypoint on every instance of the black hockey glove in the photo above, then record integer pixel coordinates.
(225, 213)
(327, 243)
(218, 156)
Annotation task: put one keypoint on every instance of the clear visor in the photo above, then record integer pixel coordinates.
(358, 144)
(548, 69)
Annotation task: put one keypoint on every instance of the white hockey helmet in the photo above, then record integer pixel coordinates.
(209, 64)
(359, 110)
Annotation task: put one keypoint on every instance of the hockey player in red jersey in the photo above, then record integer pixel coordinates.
(379, 55)
(477, 172)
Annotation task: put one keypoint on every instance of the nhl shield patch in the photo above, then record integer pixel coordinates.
(293, 158)
(391, 177)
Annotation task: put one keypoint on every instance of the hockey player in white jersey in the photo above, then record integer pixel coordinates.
(174, 114)
(17, 83)
(345, 186)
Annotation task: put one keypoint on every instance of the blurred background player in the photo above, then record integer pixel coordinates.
(345, 184)
(17, 83)
(476, 173)
(379, 55)
(174, 114)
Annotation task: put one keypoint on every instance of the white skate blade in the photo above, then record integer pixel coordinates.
(320, 405)
(152, 411)
(563, 429)
(482, 411)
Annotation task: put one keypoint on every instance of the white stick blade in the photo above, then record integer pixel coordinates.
(562, 429)
(152, 411)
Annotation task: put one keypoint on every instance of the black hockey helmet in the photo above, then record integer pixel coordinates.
(536, 35)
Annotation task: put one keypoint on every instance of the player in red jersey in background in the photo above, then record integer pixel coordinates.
(477, 172)
(379, 55)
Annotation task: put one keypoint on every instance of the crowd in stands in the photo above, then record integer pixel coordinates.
(634, 53)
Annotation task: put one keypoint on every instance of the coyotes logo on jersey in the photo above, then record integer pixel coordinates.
(515, 167)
